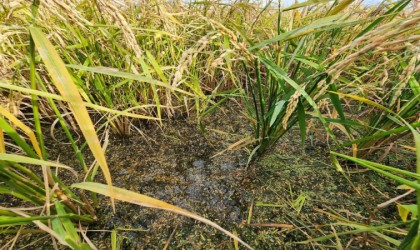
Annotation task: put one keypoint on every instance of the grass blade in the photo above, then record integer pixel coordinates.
(6, 127)
(87, 104)
(341, 6)
(302, 121)
(29, 160)
(280, 74)
(24, 128)
(65, 85)
(126, 75)
(337, 105)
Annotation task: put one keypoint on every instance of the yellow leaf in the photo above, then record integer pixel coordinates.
(2, 145)
(23, 127)
(409, 147)
(403, 212)
(68, 90)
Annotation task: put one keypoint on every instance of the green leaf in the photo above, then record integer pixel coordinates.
(279, 74)
(337, 105)
(33, 161)
(278, 108)
(13, 221)
(381, 134)
(378, 168)
(146, 70)
(16, 137)
(360, 228)
(410, 237)
(302, 121)
(58, 228)
(114, 241)
(415, 87)
(68, 225)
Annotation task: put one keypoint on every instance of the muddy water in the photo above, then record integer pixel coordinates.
(177, 164)
(292, 190)
(180, 171)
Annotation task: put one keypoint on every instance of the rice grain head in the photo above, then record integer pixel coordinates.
(291, 106)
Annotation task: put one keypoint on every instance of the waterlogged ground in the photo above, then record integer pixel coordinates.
(287, 196)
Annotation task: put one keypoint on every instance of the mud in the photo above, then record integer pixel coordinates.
(295, 193)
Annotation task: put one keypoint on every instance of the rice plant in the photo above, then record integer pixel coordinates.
(299, 69)
(120, 66)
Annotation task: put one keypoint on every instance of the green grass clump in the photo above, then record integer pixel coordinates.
(298, 71)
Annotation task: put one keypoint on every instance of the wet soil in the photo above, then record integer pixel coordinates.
(286, 196)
